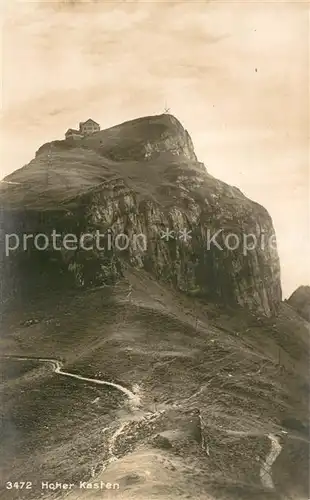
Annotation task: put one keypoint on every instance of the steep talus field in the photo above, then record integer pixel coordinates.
(210, 368)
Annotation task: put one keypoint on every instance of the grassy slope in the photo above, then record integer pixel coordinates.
(75, 171)
(63, 170)
(193, 361)
(241, 373)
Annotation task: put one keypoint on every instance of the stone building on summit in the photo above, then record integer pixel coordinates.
(86, 128)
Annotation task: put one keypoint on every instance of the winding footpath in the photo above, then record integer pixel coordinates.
(265, 470)
(135, 402)
(134, 399)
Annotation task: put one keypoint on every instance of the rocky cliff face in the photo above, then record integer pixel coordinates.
(140, 180)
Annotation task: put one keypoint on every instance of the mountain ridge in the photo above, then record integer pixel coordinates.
(200, 335)
(144, 178)
(300, 301)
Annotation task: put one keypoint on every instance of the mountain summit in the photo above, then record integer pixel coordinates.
(143, 177)
(144, 341)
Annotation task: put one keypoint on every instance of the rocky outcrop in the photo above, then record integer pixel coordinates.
(143, 138)
(140, 139)
(140, 189)
(300, 301)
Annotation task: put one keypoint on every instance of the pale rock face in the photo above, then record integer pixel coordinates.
(143, 177)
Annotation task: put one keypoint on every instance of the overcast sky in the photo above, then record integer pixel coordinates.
(235, 73)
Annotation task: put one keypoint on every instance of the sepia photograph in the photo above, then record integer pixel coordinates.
(154, 250)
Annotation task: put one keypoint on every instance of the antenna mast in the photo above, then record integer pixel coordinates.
(167, 110)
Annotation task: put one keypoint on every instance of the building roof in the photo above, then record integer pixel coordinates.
(90, 121)
(72, 130)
